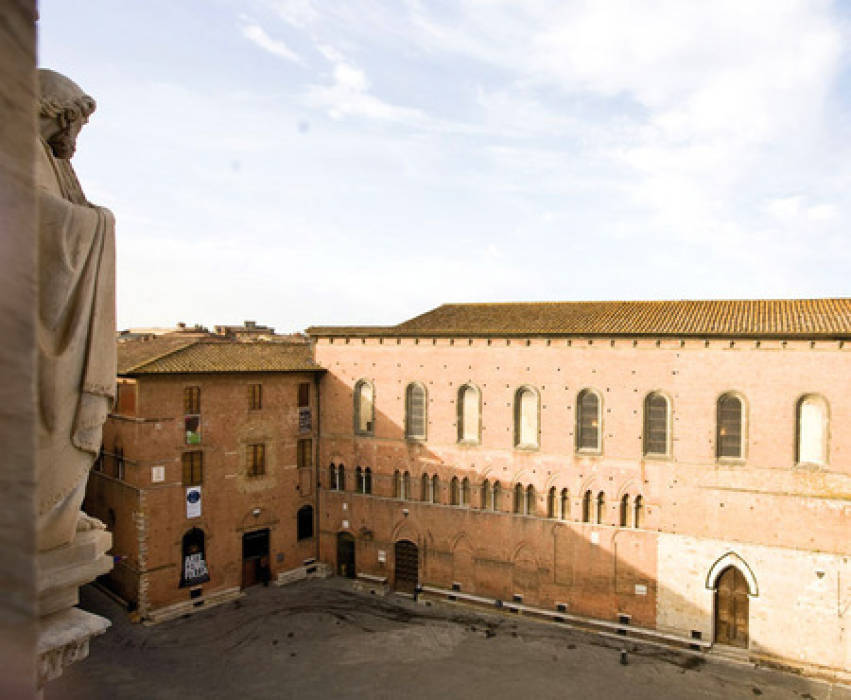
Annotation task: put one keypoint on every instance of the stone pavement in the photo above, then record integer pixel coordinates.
(318, 639)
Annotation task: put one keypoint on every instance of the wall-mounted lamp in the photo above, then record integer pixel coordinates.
(405, 512)
(255, 512)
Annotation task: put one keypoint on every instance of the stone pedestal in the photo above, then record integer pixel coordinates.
(64, 631)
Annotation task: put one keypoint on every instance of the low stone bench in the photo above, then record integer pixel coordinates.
(375, 585)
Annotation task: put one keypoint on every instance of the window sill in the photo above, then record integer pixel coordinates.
(359, 434)
(415, 438)
(730, 461)
(658, 457)
(588, 452)
(527, 448)
(469, 443)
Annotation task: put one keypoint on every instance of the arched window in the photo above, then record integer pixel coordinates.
(526, 418)
(364, 408)
(406, 486)
(194, 569)
(425, 492)
(812, 430)
(731, 434)
(565, 504)
(415, 412)
(341, 478)
(656, 424)
(497, 496)
(529, 508)
(435, 489)
(588, 421)
(454, 495)
(397, 484)
(487, 502)
(601, 505)
(359, 480)
(367, 480)
(624, 510)
(586, 507)
(551, 502)
(304, 523)
(469, 414)
(638, 512)
(518, 498)
(332, 477)
(465, 492)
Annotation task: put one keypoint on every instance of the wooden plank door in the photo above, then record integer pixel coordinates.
(732, 615)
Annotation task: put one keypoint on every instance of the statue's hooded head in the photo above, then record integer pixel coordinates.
(63, 110)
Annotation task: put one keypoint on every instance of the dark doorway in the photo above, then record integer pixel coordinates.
(407, 566)
(255, 557)
(345, 555)
(731, 608)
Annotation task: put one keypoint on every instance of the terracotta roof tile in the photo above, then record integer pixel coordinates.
(808, 318)
(223, 356)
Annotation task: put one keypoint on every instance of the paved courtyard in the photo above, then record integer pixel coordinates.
(318, 639)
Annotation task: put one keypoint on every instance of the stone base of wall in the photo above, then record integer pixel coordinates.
(310, 569)
(194, 605)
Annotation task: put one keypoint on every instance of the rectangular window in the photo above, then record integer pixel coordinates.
(305, 453)
(193, 468)
(304, 395)
(192, 399)
(255, 396)
(256, 459)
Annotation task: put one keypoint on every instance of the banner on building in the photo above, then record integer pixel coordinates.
(195, 569)
(193, 501)
(304, 423)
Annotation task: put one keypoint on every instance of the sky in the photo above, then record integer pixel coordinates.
(300, 162)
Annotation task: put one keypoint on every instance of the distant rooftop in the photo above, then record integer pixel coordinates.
(173, 355)
(774, 318)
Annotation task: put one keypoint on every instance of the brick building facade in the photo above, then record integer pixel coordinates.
(206, 477)
(683, 465)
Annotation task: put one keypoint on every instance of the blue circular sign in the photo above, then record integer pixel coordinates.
(193, 496)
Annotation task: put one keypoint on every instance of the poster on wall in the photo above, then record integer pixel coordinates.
(305, 425)
(193, 501)
(195, 569)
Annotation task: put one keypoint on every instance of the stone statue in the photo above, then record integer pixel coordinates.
(76, 313)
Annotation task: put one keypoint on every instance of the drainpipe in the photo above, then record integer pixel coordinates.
(316, 471)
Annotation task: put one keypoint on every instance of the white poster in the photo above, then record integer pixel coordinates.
(195, 568)
(193, 501)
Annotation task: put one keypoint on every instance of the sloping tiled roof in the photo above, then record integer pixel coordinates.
(140, 350)
(807, 318)
(222, 356)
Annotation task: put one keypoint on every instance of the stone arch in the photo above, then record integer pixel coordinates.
(734, 560)
(463, 563)
(525, 571)
(405, 529)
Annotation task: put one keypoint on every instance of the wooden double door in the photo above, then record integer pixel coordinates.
(732, 608)
(407, 566)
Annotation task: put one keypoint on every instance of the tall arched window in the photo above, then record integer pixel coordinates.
(435, 489)
(551, 502)
(518, 498)
(731, 432)
(406, 486)
(586, 507)
(341, 477)
(364, 408)
(332, 477)
(425, 492)
(656, 424)
(529, 508)
(526, 418)
(465, 492)
(624, 510)
(454, 492)
(487, 503)
(497, 496)
(601, 506)
(359, 480)
(397, 484)
(304, 523)
(638, 512)
(588, 421)
(194, 569)
(565, 504)
(367, 480)
(415, 412)
(812, 431)
(469, 414)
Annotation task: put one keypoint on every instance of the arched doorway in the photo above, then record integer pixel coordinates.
(345, 555)
(407, 570)
(731, 608)
(255, 558)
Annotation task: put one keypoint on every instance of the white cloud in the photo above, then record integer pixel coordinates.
(258, 35)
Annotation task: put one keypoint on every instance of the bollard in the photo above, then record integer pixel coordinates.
(624, 657)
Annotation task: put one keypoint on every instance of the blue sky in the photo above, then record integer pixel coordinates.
(299, 162)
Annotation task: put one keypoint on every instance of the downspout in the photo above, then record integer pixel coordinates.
(317, 376)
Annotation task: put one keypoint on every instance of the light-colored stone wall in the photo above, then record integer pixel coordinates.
(800, 611)
(18, 306)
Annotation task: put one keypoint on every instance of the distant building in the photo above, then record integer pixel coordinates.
(206, 477)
